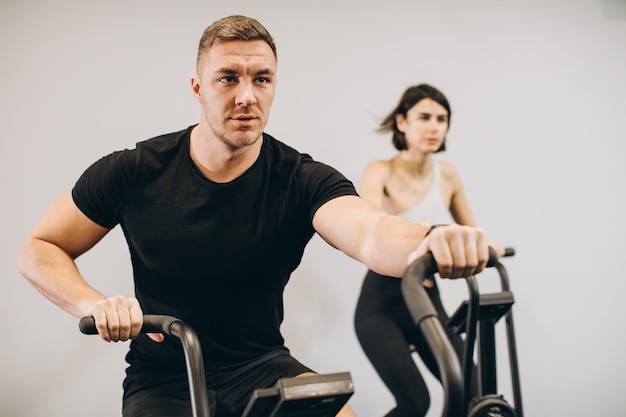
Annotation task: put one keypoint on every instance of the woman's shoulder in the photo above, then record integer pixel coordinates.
(379, 166)
(375, 175)
(450, 175)
(447, 169)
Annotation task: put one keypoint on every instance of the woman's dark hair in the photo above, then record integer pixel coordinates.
(410, 98)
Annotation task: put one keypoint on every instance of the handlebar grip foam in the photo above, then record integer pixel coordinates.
(152, 323)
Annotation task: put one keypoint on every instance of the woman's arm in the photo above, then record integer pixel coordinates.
(372, 188)
(459, 205)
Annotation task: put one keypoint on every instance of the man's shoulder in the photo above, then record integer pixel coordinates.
(164, 142)
(154, 153)
(283, 152)
(278, 146)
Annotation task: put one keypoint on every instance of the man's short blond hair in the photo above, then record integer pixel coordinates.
(234, 28)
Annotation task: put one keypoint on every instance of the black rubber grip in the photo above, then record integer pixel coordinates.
(509, 251)
(493, 257)
(152, 323)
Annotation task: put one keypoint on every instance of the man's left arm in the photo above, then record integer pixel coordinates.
(386, 243)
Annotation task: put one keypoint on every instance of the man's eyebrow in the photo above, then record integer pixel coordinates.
(265, 71)
(227, 70)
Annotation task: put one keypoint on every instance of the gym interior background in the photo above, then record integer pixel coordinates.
(538, 93)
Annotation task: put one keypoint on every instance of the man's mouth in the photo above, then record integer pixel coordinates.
(243, 117)
(244, 122)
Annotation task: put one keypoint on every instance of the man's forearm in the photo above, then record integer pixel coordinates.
(53, 273)
(393, 239)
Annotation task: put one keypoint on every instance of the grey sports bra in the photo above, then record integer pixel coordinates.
(431, 209)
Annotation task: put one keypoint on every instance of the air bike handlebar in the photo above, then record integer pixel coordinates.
(425, 316)
(175, 327)
(320, 395)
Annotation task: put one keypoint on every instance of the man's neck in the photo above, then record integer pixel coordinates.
(218, 161)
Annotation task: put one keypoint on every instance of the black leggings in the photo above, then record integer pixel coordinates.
(386, 332)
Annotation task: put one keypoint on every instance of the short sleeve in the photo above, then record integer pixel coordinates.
(323, 183)
(102, 189)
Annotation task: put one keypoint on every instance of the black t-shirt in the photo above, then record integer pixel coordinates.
(216, 255)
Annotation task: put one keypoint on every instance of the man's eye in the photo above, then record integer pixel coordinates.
(228, 80)
(263, 80)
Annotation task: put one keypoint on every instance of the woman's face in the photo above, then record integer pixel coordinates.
(425, 126)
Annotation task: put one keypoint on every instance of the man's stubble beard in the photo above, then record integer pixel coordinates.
(234, 142)
(220, 133)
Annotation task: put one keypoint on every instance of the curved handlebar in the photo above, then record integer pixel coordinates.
(173, 326)
(425, 316)
(416, 298)
(425, 265)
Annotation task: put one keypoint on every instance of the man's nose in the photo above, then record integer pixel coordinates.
(245, 95)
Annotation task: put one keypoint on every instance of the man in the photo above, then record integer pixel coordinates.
(216, 218)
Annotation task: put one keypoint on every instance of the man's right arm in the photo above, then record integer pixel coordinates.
(47, 262)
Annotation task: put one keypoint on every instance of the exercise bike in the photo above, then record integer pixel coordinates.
(315, 396)
(478, 314)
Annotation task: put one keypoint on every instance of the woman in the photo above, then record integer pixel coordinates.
(415, 186)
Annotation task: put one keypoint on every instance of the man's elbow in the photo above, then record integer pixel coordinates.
(23, 260)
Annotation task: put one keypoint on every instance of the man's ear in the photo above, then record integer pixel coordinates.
(195, 87)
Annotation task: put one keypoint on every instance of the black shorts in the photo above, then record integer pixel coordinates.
(229, 388)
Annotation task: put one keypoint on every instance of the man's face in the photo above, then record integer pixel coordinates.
(235, 87)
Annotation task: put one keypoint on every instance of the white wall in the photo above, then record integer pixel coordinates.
(538, 92)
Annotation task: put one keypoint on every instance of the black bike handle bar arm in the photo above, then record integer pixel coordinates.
(425, 316)
(415, 296)
(194, 362)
